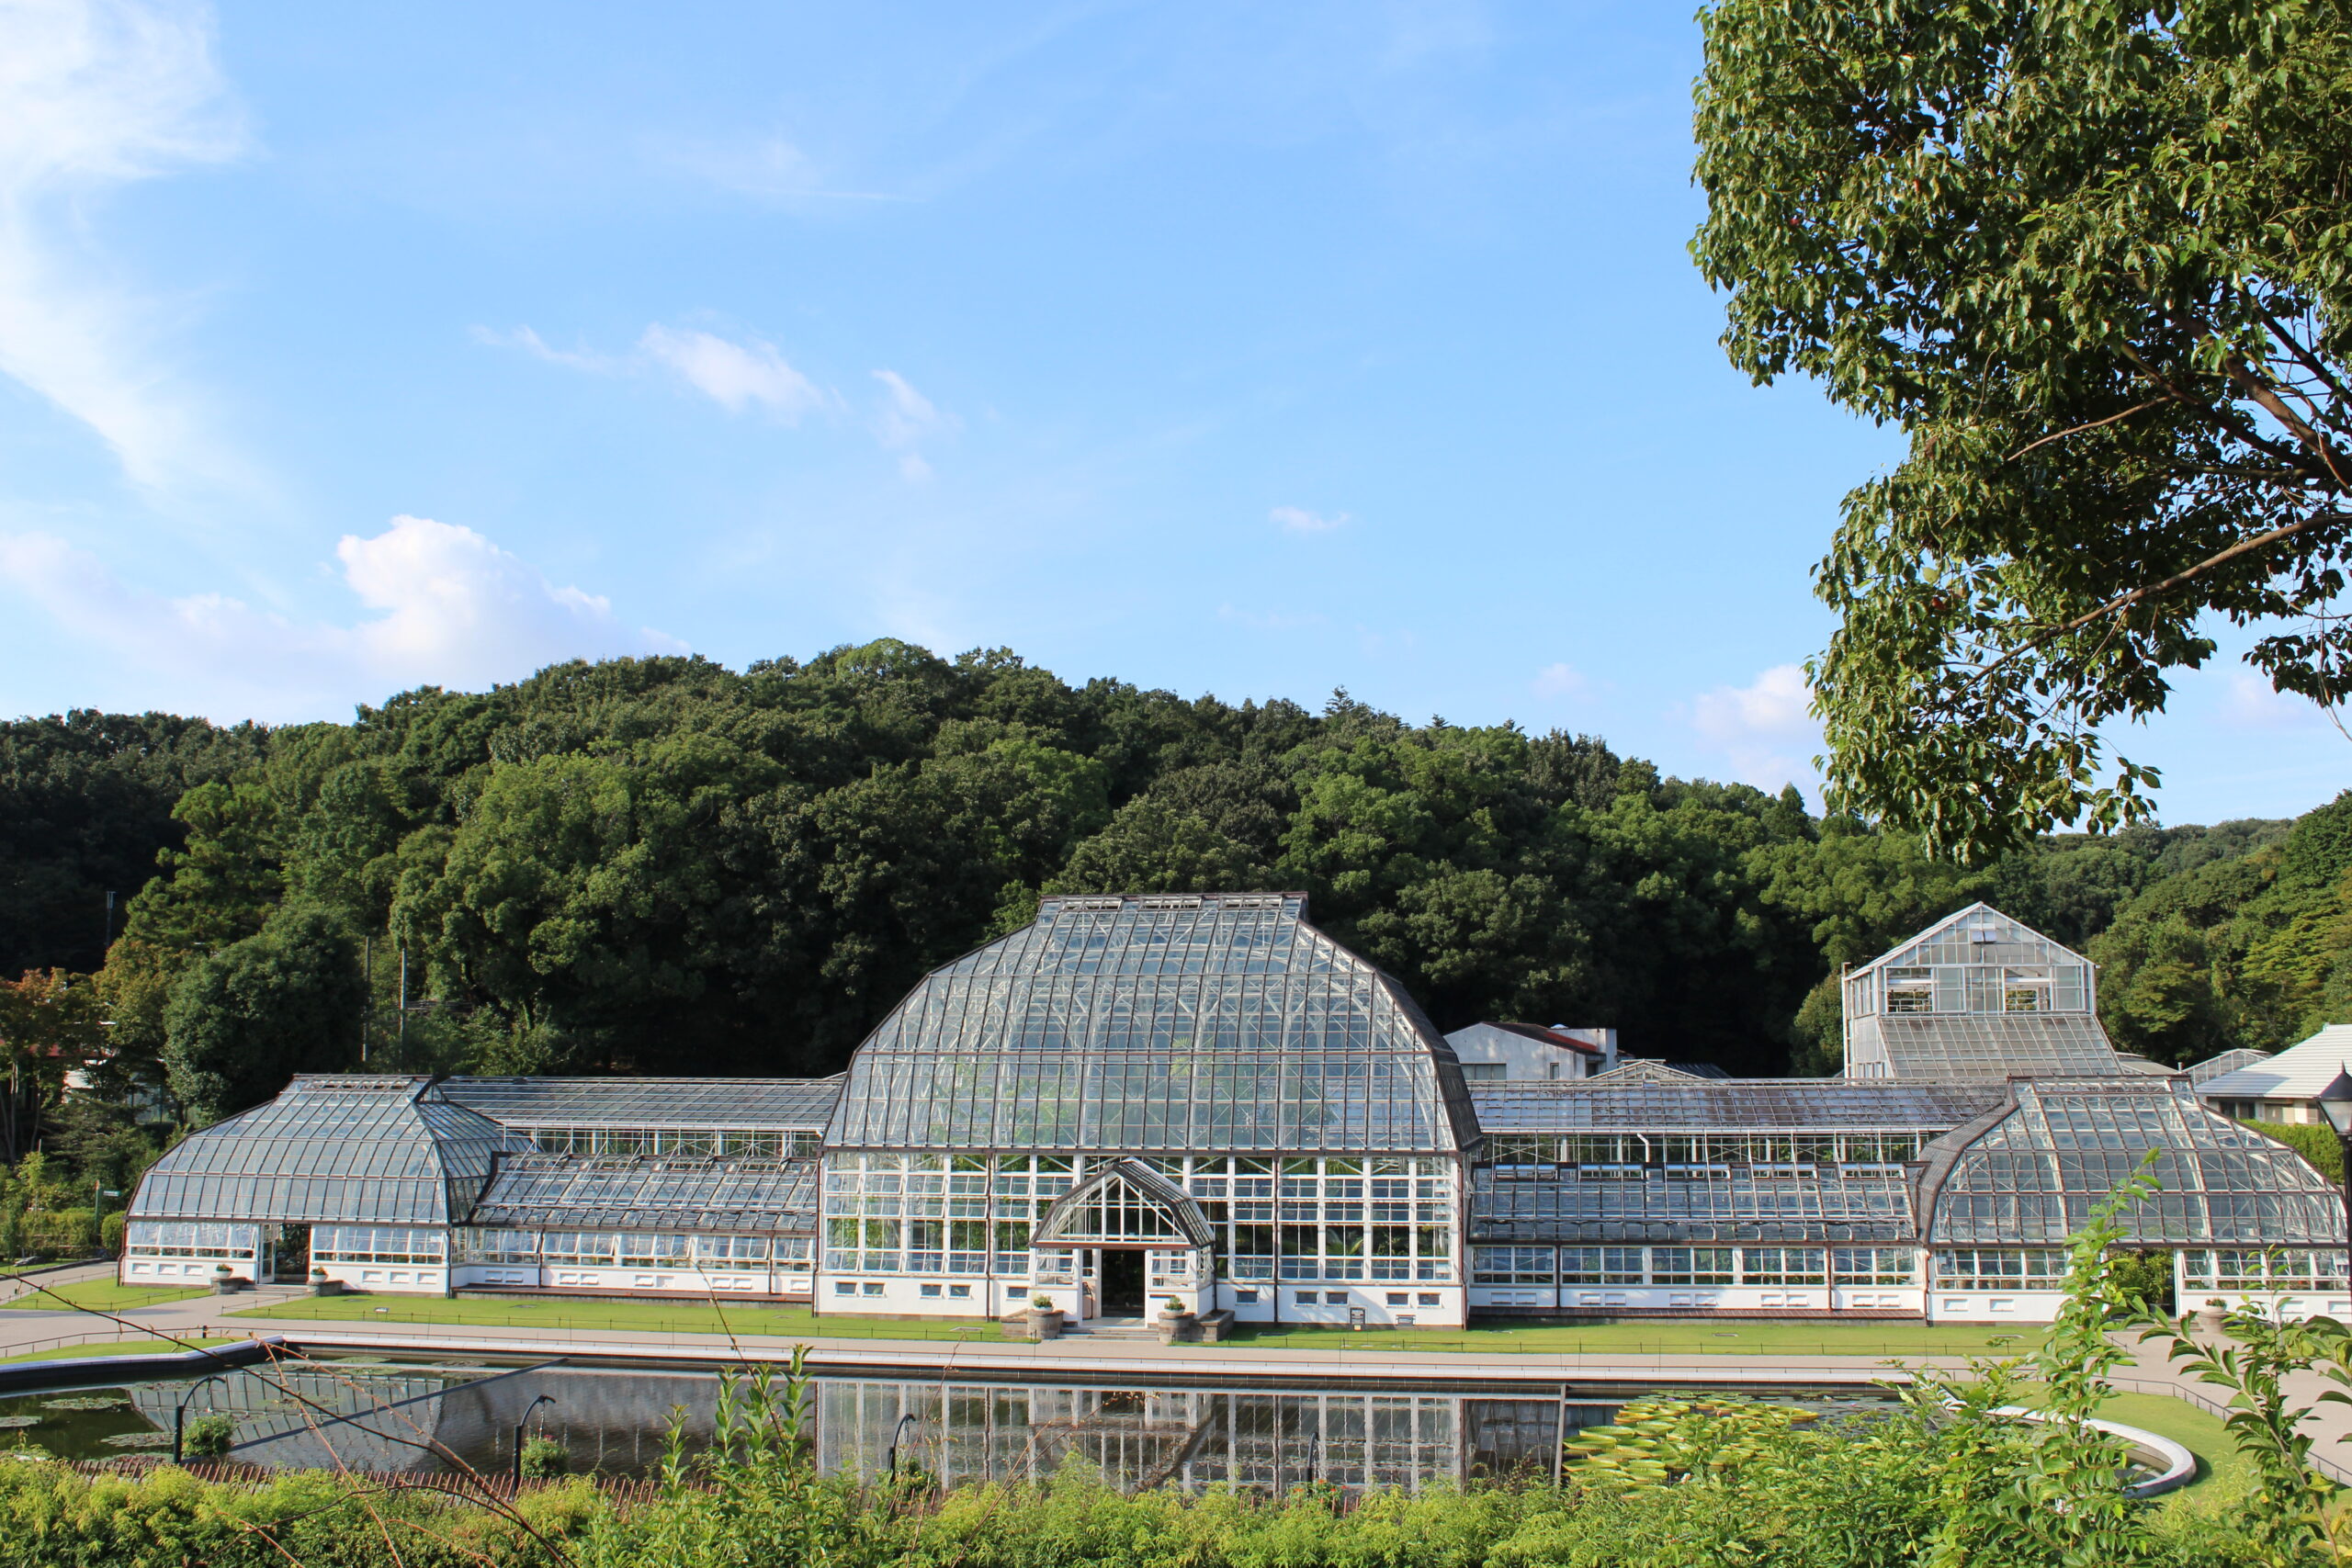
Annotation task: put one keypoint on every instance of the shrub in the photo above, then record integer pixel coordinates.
(544, 1459)
(210, 1436)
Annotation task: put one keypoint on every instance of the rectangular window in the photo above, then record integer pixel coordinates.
(1600, 1265)
(1513, 1265)
(1782, 1266)
(1874, 1265)
(1690, 1265)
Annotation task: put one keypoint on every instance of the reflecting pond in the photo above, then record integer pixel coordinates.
(380, 1416)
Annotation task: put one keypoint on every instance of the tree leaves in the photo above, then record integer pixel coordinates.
(2093, 258)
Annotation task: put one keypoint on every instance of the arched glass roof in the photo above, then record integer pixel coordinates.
(2033, 1173)
(384, 1151)
(1215, 1022)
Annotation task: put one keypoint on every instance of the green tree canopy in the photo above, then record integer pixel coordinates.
(2093, 257)
(243, 1020)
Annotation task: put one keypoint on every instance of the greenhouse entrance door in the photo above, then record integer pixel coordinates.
(286, 1256)
(1120, 1279)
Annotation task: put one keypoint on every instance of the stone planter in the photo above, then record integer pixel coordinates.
(1045, 1322)
(326, 1287)
(2211, 1316)
(1173, 1325)
(227, 1285)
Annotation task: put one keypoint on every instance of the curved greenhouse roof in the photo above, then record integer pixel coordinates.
(385, 1151)
(2034, 1171)
(1166, 1022)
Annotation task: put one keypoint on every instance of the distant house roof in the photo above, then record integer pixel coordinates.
(1547, 1036)
(2299, 1072)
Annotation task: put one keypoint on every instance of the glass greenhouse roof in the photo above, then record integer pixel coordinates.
(1737, 1203)
(1988, 1047)
(2034, 1174)
(779, 1103)
(331, 1150)
(1727, 1104)
(1208, 1022)
(1976, 936)
(749, 1197)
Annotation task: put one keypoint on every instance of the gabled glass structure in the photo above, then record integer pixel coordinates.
(1160, 1025)
(1977, 996)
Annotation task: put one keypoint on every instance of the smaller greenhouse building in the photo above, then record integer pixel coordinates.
(1204, 1097)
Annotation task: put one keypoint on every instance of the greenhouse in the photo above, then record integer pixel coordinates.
(1204, 1097)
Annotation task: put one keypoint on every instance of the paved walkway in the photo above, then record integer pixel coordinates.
(24, 1329)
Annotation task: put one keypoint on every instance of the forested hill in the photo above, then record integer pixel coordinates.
(665, 866)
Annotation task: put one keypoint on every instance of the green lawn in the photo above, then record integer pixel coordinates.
(114, 1347)
(107, 1295)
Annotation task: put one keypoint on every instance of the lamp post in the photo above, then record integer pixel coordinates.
(525, 1421)
(2336, 1104)
(179, 1414)
(897, 1437)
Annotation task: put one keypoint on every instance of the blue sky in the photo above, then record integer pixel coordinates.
(1234, 348)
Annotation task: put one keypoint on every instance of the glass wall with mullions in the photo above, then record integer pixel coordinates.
(1384, 1217)
(1677, 1266)
(697, 1252)
(1518, 1151)
(673, 1143)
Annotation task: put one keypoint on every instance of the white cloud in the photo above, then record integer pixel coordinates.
(734, 375)
(99, 94)
(908, 419)
(1298, 520)
(448, 608)
(538, 348)
(1560, 680)
(1765, 729)
(2254, 703)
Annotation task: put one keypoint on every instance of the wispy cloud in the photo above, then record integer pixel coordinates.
(909, 419)
(1298, 520)
(99, 94)
(766, 167)
(1560, 680)
(538, 348)
(734, 375)
(1765, 729)
(446, 606)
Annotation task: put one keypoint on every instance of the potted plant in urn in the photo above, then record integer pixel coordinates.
(222, 1285)
(1175, 1319)
(1045, 1319)
(321, 1285)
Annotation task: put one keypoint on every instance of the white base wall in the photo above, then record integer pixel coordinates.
(1995, 1306)
(686, 1281)
(181, 1272)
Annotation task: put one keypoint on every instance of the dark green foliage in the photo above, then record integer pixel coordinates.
(2254, 951)
(85, 802)
(284, 1002)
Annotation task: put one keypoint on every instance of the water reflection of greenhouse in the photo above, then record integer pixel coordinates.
(1258, 1439)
